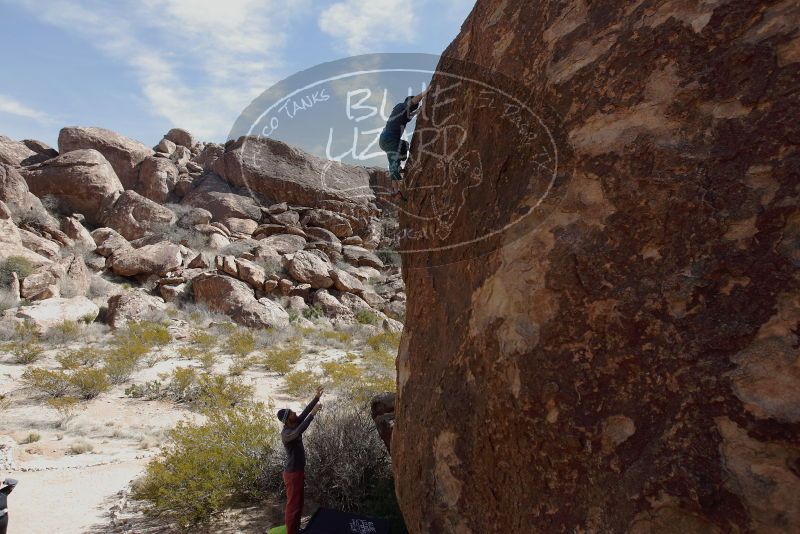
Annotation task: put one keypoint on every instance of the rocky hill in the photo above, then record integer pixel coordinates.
(253, 229)
(619, 352)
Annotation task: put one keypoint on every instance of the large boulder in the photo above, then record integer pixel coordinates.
(132, 306)
(333, 222)
(309, 268)
(108, 241)
(159, 258)
(226, 295)
(603, 290)
(284, 243)
(52, 312)
(11, 245)
(361, 257)
(122, 153)
(135, 216)
(180, 137)
(17, 153)
(81, 180)
(221, 200)
(157, 178)
(279, 171)
(24, 205)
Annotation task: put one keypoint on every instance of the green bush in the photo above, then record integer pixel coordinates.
(367, 317)
(314, 312)
(385, 340)
(25, 348)
(241, 342)
(120, 364)
(281, 360)
(15, 264)
(352, 469)
(202, 391)
(89, 383)
(301, 384)
(83, 357)
(139, 338)
(64, 332)
(239, 365)
(206, 467)
(203, 340)
(48, 382)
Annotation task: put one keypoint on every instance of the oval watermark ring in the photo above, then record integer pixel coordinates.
(336, 111)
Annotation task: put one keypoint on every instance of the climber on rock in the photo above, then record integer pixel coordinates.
(391, 140)
(294, 468)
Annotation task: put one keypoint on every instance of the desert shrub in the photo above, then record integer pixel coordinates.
(202, 391)
(386, 340)
(25, 347)
(188, 353)
(89, 383)
(64, 332)
(301, 383)
(33, 437)
(66, 408)
(335, 337)
(239, 365)
(342, 375)
(207, 360)
(154, 389)
(15, 264)
(139, 338)
(120, 364)
(281, 360)
(314, 312)
(83, 357)
(367, 317)
(348, 456)
(203, 340)
(47, 382)
(80, 447)
(241, 342)
(206, 467)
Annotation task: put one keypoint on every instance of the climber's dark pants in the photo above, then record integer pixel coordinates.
(294, 481)
(3, 524)
(397, 151)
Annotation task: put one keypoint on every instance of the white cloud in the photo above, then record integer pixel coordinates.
(366, 25)
(199, 63)
(15, 107)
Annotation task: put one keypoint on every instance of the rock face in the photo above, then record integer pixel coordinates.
(218, 198)
(279, 171)
(52, 312)
(159, 258)
(122, 153)
(134, 216)
(132, 306)
(82, 180)
(23, 204)
(619, 353)
(235, 298)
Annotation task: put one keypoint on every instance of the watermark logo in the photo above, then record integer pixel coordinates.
(459, 198)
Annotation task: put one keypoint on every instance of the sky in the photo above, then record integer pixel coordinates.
(141, 67)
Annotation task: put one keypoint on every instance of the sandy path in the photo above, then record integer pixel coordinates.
(67, 501)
